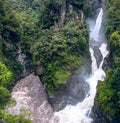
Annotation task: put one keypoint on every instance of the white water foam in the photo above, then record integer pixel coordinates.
(95, 32)
(80, 112)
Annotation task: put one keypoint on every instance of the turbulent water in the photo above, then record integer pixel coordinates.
(80, 113)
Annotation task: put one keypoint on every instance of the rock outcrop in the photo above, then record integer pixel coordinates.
(74, 91)
(30, 97)
(98, 55)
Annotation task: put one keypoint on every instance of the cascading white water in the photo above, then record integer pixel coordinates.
(95, 32)
(80, 112)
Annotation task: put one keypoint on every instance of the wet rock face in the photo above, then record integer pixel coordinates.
(30, 96)
(99, 116)
(98, 55)
(74, 91)
(106, 63)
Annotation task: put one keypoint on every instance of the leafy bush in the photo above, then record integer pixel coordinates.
(6, 117)
(4, 96)
(6, 76)
(115, 43)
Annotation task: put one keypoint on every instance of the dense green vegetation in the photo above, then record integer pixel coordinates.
(60, 52)
(54, 44)
(9, 67)
(54, 37)
(109, 91)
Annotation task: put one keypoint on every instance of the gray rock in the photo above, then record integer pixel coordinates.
(98, 55)
(30, 96)
(106, 63)
(99, 116)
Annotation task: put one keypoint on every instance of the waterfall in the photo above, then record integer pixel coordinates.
(80, 113)
(95, 32)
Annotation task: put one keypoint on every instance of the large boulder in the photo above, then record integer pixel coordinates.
(30, 97)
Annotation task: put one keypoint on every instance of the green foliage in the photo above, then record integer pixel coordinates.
(76, 3)
(50, 13)
(60, 52)
(6, 117)
(113, 18)
(9, 34)
(4, 96)
(81, 5)
(6, 79)
(109, 91)
(6, 76)
(77, 36)
(115, 43)
(61, 76)
(88, 10)
(8, 23)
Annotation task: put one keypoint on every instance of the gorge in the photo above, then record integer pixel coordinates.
(79, 113)
(59, 61)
